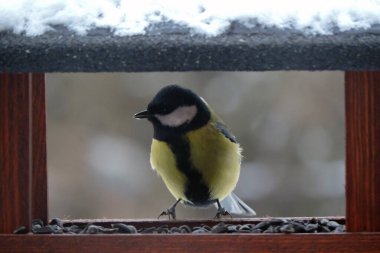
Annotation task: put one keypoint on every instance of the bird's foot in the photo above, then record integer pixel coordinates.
(170, 212)
(221, 212)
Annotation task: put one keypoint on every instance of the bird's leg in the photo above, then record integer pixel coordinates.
(221, 211)
(170, 212)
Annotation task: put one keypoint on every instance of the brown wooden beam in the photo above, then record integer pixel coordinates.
(358, 242)
(362, 151)
(23, 182)
(39, 160)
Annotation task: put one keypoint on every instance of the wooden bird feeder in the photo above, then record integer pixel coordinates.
(165, 47)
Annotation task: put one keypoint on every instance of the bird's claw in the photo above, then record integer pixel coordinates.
(169, 212)
(222, 212)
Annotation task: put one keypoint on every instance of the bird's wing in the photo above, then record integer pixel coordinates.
(224, 130)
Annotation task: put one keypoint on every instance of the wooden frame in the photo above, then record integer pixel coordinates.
(193, 243)
(23, 173)
(363, 151)
(23, 182)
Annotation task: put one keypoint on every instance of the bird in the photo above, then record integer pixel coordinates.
(193, 152)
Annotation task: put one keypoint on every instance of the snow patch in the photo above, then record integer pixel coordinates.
(209, 17)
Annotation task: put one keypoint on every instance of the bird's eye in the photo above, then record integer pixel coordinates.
(165, 109)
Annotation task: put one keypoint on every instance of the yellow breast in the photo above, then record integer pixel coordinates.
(163, 161)
(211, 153)
(217, 158)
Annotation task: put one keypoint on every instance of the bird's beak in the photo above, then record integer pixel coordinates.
(143, 115)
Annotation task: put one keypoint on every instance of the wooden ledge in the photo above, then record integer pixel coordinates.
(344, 242)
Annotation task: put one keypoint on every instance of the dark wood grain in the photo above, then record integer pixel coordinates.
(18, 161)
(39, 169)
(191, 243)
(14, 151)
(363, 151)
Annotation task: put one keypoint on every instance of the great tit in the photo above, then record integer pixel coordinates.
(194, 152)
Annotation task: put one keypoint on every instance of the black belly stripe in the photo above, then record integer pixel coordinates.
(196, 190)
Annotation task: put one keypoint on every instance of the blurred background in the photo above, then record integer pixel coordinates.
(290, 125)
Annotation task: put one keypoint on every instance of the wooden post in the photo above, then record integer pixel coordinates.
(23, 174)
(363, 151)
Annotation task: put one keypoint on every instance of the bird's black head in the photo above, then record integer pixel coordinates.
(175, 110)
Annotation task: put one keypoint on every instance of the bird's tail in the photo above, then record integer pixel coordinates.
(234, 205)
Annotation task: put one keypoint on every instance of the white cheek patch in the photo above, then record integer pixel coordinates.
(181, 115)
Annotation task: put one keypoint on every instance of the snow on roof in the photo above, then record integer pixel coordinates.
(209, 17)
